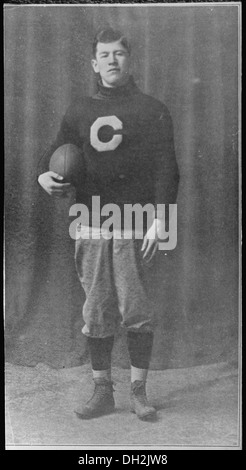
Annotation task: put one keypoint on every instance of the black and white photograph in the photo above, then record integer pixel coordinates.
(122, 227)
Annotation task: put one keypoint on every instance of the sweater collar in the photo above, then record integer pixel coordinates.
(116, 92)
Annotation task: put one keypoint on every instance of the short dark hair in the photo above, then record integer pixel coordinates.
(110, 35)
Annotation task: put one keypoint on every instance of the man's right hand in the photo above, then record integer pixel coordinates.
(49, 182)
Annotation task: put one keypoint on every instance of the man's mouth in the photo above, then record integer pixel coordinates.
(114, 70)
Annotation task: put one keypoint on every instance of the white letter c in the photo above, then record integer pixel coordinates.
(100, 146)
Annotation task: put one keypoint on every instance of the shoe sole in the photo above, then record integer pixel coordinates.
(95, 415)
(152, 416)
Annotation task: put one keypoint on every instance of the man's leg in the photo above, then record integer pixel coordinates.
(100, 350)
(102, 401)
(140, 348)
(100, 312)
(133, 279)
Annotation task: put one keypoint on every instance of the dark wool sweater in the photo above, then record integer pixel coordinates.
(129, 152)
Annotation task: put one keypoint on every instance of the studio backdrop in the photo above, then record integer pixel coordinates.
(185, 56)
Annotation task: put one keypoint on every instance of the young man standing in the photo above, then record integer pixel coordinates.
(127, 142)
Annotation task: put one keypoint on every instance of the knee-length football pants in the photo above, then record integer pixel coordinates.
(117, 282)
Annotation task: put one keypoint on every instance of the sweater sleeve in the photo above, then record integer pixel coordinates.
(166, 168)
(67, 135)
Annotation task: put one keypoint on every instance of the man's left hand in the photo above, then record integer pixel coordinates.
(150, 241)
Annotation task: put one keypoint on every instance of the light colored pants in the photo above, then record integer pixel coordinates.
(117, 283)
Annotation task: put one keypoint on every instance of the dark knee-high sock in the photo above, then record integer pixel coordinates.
(100, 353)
(140, 348)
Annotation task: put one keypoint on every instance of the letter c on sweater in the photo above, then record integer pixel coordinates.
(100, 146)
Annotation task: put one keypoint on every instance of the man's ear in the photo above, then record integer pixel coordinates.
(94, 65)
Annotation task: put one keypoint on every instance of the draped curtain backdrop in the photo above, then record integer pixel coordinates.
(185, 56)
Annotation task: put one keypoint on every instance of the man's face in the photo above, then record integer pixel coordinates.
(112, 62)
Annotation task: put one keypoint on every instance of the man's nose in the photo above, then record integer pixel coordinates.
(112, 59)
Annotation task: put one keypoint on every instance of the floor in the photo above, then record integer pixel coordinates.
(197, 408)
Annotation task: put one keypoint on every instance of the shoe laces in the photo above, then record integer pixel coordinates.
(138, 388)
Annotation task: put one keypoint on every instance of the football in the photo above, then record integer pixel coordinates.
(68, 161)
